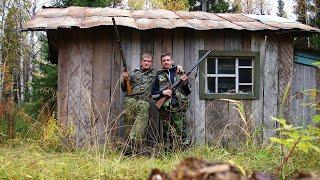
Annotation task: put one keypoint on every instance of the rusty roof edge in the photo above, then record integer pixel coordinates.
(275, 28)
(231, 22)
(279, 28)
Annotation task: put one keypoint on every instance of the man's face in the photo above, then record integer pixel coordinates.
(146, 63)
(166, 62)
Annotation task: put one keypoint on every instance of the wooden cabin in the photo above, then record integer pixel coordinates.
(252, 62)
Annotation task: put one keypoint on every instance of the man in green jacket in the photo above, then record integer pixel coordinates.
(137, 103)
(172, 112)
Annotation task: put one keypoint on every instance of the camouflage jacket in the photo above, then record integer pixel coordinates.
(141, 82)
(179, 100)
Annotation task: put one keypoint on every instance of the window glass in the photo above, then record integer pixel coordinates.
(226, 66)
(226, 85)
(245, 75)
(245, 62)
(211, 66)
(211, 84)
(245, 89)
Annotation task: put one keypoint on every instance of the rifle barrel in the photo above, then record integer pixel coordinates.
(124, 63)
(175, 84)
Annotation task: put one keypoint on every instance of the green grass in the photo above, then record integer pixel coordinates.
(27, 160)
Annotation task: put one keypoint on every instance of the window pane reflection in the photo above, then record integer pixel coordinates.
(245, 89)
(226, 66)
(245, 62)
(211, 84)
(226, 85)
(245, 75)
(211, 66)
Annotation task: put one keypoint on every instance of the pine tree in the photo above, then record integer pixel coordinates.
(218, 6)
(301, 11)
(315, 22)
(281, 11)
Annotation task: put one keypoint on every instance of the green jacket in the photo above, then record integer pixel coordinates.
(141, 82)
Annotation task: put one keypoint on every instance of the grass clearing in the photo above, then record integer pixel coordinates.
(27, 160)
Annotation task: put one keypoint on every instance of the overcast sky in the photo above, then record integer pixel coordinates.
(273, 6)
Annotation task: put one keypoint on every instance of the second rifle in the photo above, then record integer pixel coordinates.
(124, 64)
(174, 86)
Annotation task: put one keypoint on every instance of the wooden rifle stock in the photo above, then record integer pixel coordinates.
(174, 86)
(128, 85)
(124, 64)
(161, 101)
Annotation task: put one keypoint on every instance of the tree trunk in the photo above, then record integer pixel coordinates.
(10, 118)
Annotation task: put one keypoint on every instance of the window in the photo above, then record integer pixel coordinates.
(230, 74)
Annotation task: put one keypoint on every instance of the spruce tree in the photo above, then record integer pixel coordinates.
(301, 11)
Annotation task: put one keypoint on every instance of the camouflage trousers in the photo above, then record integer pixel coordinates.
(136, 118)
(174, 129)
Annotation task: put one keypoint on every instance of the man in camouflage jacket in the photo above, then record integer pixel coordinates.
(172, 113)
(137, 103)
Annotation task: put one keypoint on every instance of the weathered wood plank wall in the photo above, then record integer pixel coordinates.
(270, 90)
(305, 80)
(258, 43)
(90, 66)
(285, 73)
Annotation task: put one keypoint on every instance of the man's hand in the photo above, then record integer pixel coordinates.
(125, 75)
(184, 79)
(167, 92)
(180, 69)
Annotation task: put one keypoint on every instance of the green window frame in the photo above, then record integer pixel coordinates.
(230, 75)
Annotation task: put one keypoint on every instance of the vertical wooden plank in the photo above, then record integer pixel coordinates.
(199, 117)
(246, 43)
(63, 77)
(85, 88)
(115, 90)
(74, 83)
(166, 46)
(296, 110)
(310, 83)
(293, 101)
(270, 104)
(136, 49)
(258, 44)
(178, 47)
(189, 56)
(101, 77)
(157, 34)
(285, 71)
(147, 42)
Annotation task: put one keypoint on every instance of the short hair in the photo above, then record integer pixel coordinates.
(146, 55)
(165, 54)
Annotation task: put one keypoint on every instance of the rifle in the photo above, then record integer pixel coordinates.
(124, 64)
(174, 86)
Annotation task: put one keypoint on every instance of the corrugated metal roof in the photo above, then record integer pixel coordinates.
(84, 17)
